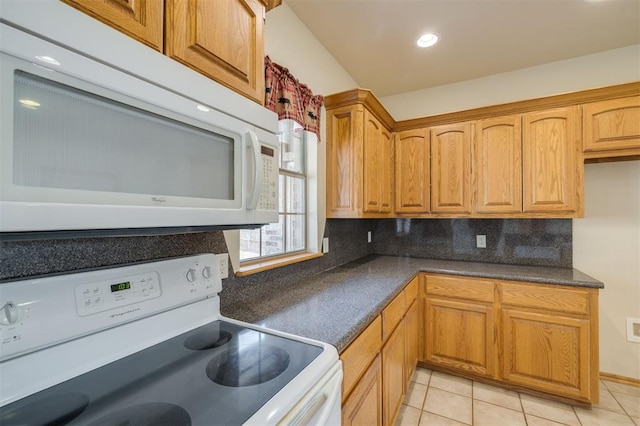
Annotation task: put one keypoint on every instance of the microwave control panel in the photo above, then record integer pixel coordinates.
(269, 190)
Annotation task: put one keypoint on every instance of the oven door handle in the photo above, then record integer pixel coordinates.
(325, 400)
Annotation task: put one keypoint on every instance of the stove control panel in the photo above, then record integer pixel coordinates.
(41, 312)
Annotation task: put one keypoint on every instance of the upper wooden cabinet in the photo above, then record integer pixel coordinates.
(611, 129)
(552, 165)
(413, 171)
(139, 19)
(451, 168)
(378, 157)
(498, 165)
(359, 156)
(222, 39)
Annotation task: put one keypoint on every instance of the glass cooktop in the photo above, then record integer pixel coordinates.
(220, 373)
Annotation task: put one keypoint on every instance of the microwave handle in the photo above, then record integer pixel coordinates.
(253, 199)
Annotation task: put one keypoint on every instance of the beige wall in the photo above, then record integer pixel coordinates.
(606, 245)
(586, 72)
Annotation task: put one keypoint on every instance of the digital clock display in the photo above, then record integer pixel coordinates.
(120, 286)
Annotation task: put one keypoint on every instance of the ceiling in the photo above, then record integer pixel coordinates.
(374, 40)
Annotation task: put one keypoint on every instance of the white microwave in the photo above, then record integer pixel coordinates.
(123, 137)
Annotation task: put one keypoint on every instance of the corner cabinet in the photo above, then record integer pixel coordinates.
(359, 157)
(221, 39)
(532, 336)
(413, 172)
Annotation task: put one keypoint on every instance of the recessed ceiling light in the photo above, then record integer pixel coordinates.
(427, 40)
(28, 103)
(48, 60)
(203, 108)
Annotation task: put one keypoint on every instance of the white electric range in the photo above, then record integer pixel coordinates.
(146, 344)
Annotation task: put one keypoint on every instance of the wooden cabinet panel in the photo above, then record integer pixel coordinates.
(344, 153)
(551, 170)
(412, 354)
(469, 288)
(377, 166)
(552, 298)
(611, 125)
(546, 352)
(459, 335)
(222, 39)
(357, 357)
(411, 290)
(413, 171)
(364, 405)
(392, 315)
(393, 380)
(498, 165)
(139, 19)
(451, 168)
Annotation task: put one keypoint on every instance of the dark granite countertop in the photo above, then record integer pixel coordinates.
(336, 305)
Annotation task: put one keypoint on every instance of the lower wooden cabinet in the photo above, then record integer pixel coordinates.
(393, 380)
(378, 364)
(364, 405)
(529, 335)
(459, 334)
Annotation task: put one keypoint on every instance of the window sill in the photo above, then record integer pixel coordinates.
(254, 267)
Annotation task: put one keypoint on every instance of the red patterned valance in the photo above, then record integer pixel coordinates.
(291, 99)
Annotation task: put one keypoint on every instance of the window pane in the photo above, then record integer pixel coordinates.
(296, 232)
(295, 189)
(282, 195)
(272, 241)
(292, 147)
(249, 243)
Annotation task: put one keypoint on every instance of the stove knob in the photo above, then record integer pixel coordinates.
(191, 275)
(206, 272)
(9, 313)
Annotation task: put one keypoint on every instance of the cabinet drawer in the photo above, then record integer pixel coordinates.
(411, 291)
(460, 287)
(553, 298)
(392, 314)
(359, 354)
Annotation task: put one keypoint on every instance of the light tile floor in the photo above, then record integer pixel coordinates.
(440, 399)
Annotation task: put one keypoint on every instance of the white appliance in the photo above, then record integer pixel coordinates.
(99, 131)
(145, 344)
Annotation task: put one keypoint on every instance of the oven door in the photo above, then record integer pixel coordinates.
(87, 146)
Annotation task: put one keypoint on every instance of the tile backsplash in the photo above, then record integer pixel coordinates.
(543, 242)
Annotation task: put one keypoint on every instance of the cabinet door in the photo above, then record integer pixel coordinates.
(412, 321)
(611, 125)
(364, 405)
(222, 39)
(551, 170)
(386, 170)
(141, 19)
(413, 171)
(378, 156)
(498, 165)
(393, 381)
(344, 154)
(459, 334)
(547, 352)
(451, 168)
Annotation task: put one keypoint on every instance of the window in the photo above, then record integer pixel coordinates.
(289, 235)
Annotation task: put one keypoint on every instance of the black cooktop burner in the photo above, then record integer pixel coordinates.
(209, 338)
(218, 374)
(247, 366)
(152, 414)
(49, 410)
